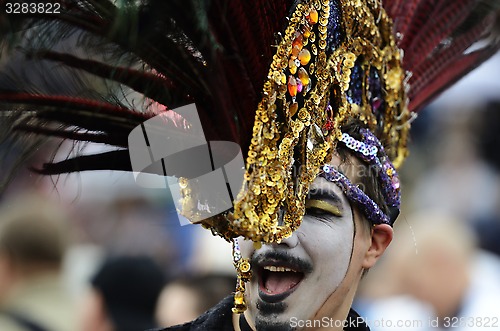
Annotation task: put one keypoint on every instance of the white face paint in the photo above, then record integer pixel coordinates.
(319, 253)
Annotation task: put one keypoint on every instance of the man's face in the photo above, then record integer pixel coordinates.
(311, 269)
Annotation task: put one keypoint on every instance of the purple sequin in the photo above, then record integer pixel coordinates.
(376, 97)
(355, 91)
(334, 28)
(372, 152)
(367, 206)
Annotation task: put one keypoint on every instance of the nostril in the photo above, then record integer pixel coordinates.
(291, 241)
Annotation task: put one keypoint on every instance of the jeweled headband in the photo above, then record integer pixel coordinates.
(370, 151)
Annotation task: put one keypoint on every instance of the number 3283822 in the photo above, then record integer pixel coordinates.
(32, 8)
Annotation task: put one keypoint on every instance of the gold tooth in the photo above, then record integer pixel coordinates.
(278, 269)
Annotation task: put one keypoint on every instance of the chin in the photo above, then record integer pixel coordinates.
(269, 324)
(271, 314)
(277, 292)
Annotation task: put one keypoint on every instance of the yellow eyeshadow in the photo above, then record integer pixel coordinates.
(324, 206)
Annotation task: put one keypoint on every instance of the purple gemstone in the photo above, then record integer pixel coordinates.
(395, 183)
(299, 85)
(376, 103)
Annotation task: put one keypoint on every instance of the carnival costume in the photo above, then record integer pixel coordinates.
(281, 78)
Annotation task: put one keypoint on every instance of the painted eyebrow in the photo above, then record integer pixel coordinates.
(325, 194)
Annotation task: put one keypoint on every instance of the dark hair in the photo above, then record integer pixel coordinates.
(130, 287)
(366, 176)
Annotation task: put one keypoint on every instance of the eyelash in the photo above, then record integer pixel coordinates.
(319, 213)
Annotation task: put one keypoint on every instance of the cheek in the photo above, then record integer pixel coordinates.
(246, 247)
(331, 248)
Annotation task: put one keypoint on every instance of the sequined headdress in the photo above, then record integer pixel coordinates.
(281, 79)
(329, 69)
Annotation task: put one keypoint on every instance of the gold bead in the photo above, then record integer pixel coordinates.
(293, 109)
(303, 114)
(314, 49)
(183, 182)
(244, 266)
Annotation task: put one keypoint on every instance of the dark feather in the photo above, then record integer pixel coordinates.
(214, 53)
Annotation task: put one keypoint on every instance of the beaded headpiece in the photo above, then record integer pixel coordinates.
(328, 70)
(371, 152)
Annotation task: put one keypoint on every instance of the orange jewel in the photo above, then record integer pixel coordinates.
(293, 109)
(304, 76)
(306, 31)
(298, 42)
(304, 56)
(313, 17)
(292, 66)
(292, 86)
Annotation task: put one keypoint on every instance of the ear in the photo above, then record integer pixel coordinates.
(381, 237)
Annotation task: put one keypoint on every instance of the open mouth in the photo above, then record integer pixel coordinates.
(278, 282)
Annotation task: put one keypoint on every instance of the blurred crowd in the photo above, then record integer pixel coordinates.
(53, 278)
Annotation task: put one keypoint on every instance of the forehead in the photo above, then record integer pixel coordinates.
(348, 165)
(322, 187)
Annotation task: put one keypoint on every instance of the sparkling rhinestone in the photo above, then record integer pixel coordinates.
(304, 76)
(304, 56)
(293, 109)
(395, 182)
(313, 17)
(292, 86)
(292, 66)
(300, 86)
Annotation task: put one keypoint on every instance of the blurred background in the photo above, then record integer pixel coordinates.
(443, 263)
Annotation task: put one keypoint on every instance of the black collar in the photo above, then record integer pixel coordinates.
(244, 324)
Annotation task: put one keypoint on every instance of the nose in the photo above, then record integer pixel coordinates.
(291, 241)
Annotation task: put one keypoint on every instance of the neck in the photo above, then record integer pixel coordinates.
(334, 314)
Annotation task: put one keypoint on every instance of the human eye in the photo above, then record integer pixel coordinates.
(317, 213)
